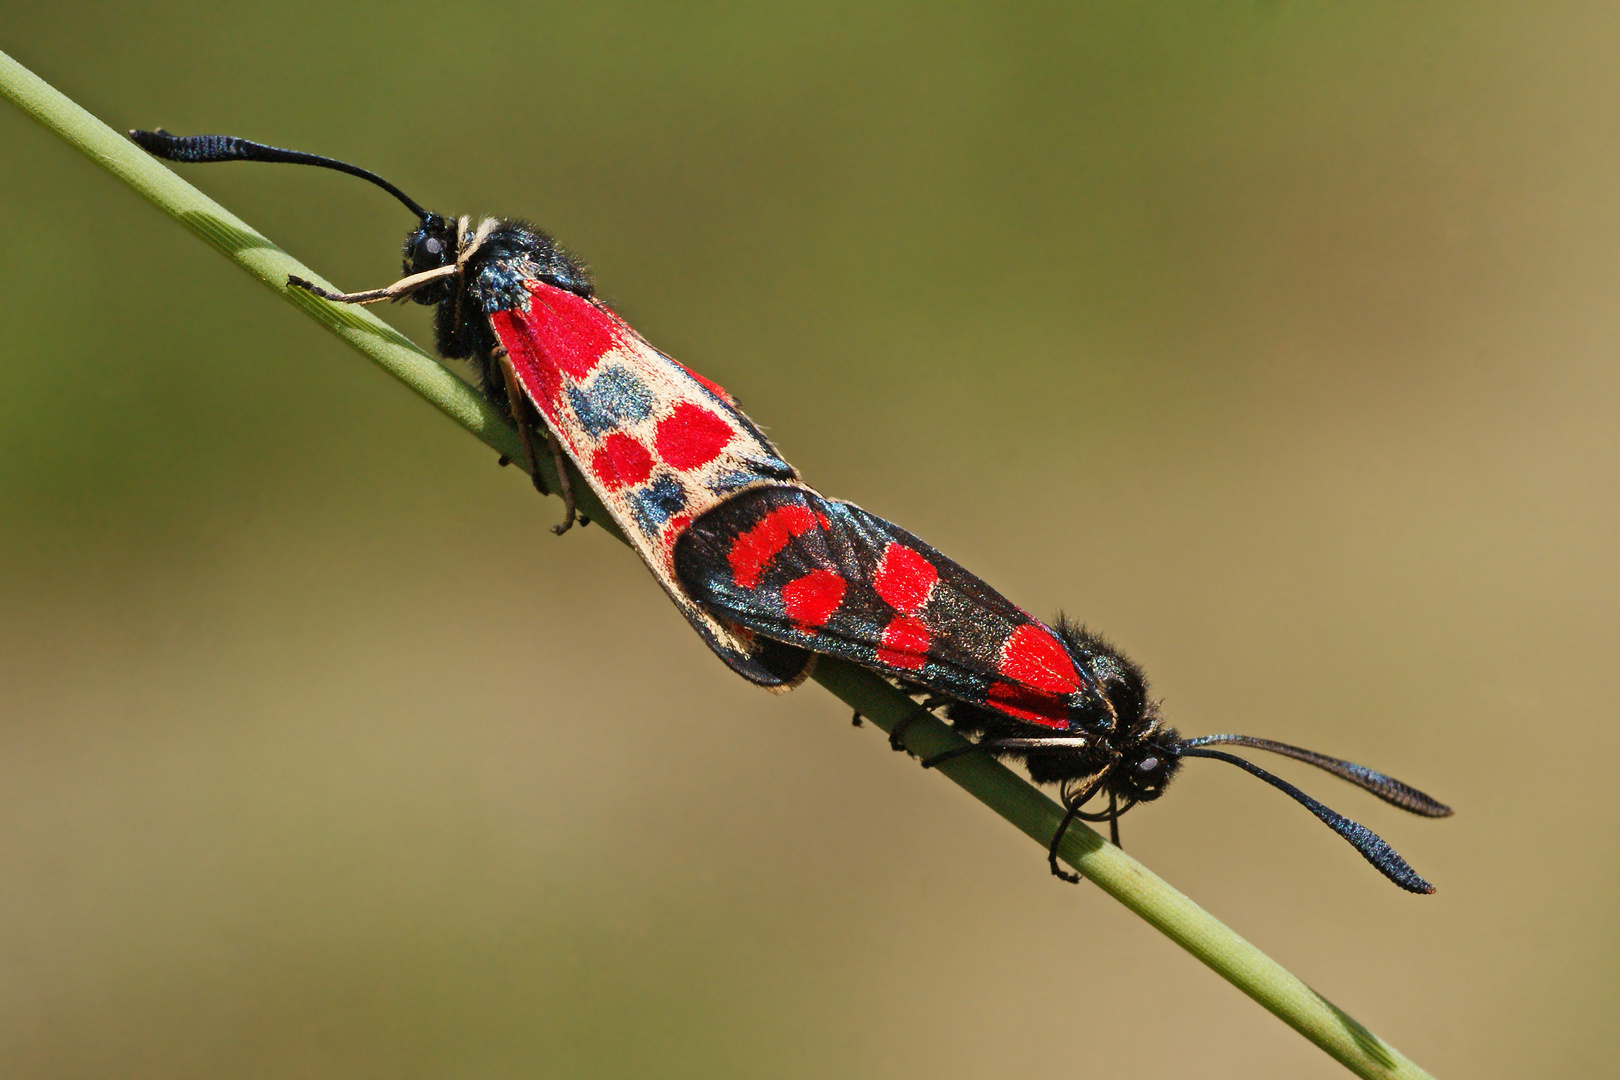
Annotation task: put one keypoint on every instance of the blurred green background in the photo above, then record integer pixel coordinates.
(1277, 340)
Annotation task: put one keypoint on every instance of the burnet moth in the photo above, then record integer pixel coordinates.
(768, 571)
(828, 577)
(658, 443)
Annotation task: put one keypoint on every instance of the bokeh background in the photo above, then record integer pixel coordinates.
(1278, 340)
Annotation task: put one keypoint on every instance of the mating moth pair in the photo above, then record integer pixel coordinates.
(768, 571)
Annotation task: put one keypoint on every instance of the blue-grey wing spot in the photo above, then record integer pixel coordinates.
(614, 398)
(657, 502)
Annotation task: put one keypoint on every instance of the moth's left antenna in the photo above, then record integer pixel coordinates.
(198, 149)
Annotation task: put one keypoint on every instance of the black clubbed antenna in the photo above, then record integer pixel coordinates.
(199, 149)
(1387, 788)
(1373, 848)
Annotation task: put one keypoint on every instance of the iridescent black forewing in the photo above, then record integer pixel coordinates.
(829, 577)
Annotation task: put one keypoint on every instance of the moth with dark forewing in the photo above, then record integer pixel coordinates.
(769, 572)
(827, 576)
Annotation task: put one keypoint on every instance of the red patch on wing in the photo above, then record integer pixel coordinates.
(572, 333)
(1022, 703)
(691, 436)
(811, 600)
(904, 578)
(1034, 657)
(621, 462)
(752, 551)
(905, 643)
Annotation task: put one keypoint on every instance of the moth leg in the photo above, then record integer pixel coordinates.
(897, 735)
(993, 745)
(567, 485)
(1057, 840)
(518, 404)
(855, 719)
(952, 755)
(398, 291)
(926, 706)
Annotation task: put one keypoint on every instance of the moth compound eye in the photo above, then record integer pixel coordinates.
(427, 250)
(1147, 766)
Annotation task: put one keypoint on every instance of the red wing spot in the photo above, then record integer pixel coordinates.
(572, 333)
(904, 578)
(621, 462)
(797, 519)
(825, 523)
(691, 436)
(812, 599)
(905, 643)
(752, 551)
(1022, 703)
(1034, 657)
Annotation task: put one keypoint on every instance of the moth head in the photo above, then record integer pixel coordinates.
(430, 246)
(1147, 766)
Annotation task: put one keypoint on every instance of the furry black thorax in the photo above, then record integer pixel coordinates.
(493, 278)
(1133, 754)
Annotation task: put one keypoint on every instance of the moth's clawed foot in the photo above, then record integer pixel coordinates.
(1064, 875)
(1057, 842)
(897, 735)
